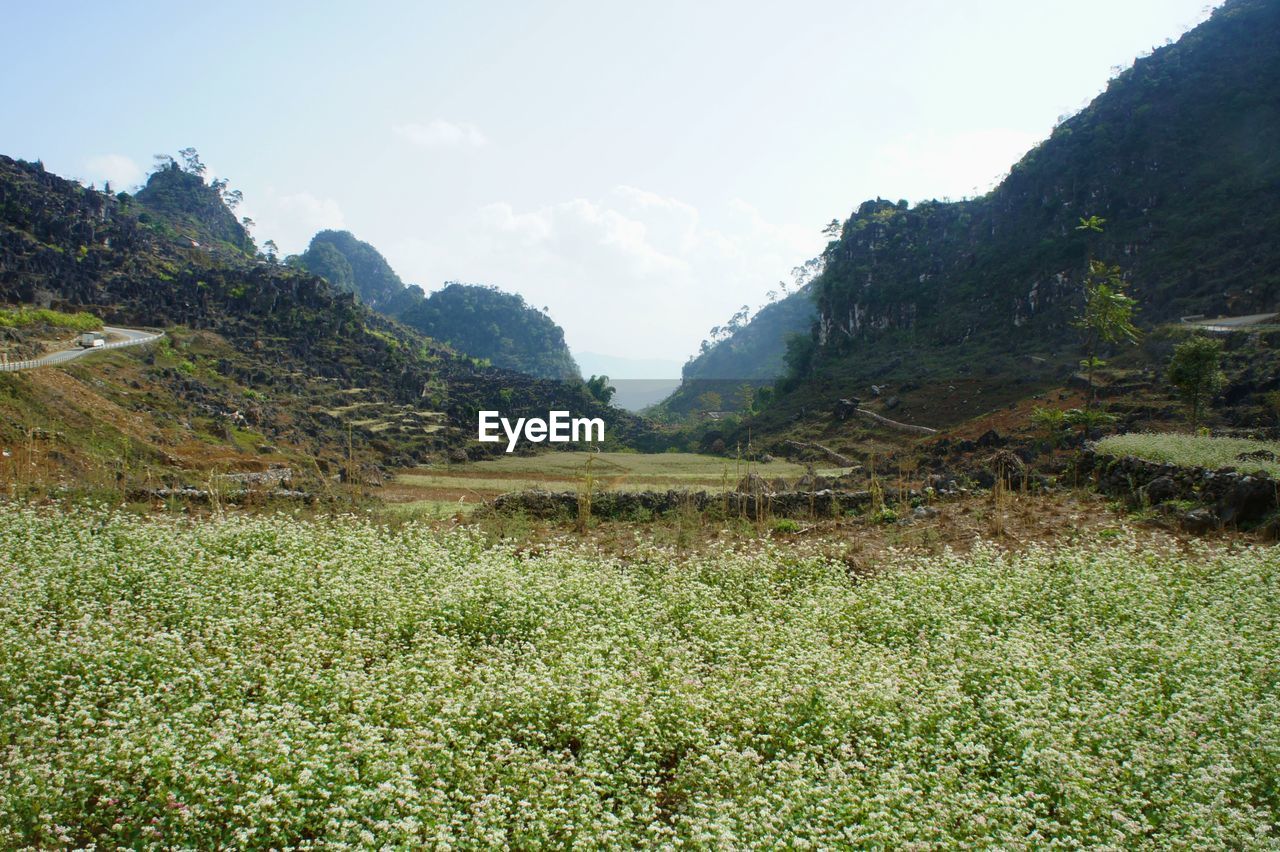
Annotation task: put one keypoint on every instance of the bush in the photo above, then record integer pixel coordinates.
(1050, 421)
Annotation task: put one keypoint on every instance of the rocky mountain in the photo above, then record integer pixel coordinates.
(353, 266)
(272, 346)
(757, 350)
(754, 355)
(483, 322)
(193, 209)
(1181, 157)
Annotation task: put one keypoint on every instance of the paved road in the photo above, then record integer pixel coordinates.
(1226, 324)
(117, 338)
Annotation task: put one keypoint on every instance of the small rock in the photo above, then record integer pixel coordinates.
(1198, 521)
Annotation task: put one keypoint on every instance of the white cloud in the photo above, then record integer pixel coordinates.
(442, 134)
(633, 273)
(120, 170)
(291, 219)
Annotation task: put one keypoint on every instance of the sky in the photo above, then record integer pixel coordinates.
(642, 170)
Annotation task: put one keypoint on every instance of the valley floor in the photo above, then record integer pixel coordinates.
(446, 490)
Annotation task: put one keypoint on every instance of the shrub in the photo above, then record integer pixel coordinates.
(1196, 373)
(1052, 422)
(785, 526)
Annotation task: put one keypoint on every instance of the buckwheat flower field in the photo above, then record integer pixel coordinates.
(271, 682)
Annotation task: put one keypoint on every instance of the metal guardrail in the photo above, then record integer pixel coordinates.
(35, 363)
(15, 366)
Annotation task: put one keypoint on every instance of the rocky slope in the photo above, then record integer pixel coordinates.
(313, 364)
(1180, 156)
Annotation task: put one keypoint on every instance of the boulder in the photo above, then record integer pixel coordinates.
(1159, 490)
(1247, 498)
(1198, 521)
(753, 483)
(846, 408)
(812, 482)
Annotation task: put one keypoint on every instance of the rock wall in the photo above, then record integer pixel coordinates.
(824, 503)
(1223, 497)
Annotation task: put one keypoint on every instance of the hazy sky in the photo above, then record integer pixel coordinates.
(642, 169)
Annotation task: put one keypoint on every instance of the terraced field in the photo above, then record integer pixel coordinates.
(453, 488)
(1241, 454)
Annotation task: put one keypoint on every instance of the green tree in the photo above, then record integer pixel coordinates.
(191, 161)
(801, 349)
(1091, 223)
(764, 396)
(1195, 371)
(1052, 422)
(599, 387)
(1107, 317)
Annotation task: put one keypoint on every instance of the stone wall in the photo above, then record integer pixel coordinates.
(1224, 497)
(824, 503)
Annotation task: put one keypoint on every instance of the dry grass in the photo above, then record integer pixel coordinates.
(484, 480)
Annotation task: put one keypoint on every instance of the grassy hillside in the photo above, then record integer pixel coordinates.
(194, 210)
(268, 682)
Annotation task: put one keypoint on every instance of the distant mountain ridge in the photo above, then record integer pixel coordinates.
(757, 351)
(481, 321)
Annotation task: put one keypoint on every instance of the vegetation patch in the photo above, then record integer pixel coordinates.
(24, 316)
(273, 682)
(1243, 454)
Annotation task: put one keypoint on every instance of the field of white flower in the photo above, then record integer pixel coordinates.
(270, 682)
(1196, 450)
